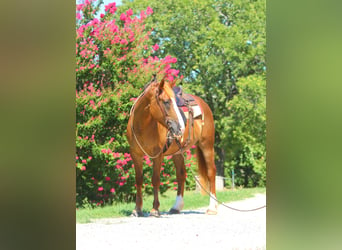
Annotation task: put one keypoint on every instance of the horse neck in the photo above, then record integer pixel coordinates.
(142, 115)
(144, 124)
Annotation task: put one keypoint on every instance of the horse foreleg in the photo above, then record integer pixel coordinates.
(178, 160)
(138, 167)
(156, 184)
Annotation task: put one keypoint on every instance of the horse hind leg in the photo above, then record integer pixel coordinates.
(178, 161)
(207, 171)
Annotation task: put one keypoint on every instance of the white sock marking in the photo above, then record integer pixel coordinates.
(213, 203)
(179, 204)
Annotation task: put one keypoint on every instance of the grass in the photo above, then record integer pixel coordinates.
(192, 200)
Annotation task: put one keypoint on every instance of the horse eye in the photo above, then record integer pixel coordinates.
(167, 103)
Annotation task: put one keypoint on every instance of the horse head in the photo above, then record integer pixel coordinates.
(164, 109)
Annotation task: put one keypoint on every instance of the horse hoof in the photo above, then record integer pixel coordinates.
(174, 211)
(155, 213)
(211, 212)
(136, 213)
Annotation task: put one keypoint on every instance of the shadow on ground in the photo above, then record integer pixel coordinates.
(146, 213)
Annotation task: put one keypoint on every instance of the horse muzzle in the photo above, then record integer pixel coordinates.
(174, 129)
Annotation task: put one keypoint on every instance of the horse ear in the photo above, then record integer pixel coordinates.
(173, 83)
(154, 78)
(161, 84)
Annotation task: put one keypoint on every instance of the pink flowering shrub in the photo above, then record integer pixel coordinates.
(114, 60)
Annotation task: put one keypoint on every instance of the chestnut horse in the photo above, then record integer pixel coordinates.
(155, 117)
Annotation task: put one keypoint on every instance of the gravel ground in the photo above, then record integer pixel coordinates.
(192, 229)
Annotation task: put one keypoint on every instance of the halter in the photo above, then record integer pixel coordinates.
(167, 117)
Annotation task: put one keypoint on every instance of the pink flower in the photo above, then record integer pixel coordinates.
(173, 72)
(129, 12)
(111, 8)
(79, 7)
(123, 17)
(170, 78)
(107, 178)
(116, 155)
(149, 10)
(123, 41)
(155, 47)
(142, 15)
(112, 190)
(84, 161)
(83, 168)
(102, 15)
(100, 189)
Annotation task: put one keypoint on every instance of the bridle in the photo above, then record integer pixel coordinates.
(167, 118)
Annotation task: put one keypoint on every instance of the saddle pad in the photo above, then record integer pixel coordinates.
(196, 109)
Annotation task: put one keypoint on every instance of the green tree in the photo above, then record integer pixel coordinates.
(217, 44)
(244, 132)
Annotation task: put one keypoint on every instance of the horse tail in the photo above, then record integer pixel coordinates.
(202, 170)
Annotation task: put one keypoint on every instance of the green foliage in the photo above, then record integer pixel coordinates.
(244, 132)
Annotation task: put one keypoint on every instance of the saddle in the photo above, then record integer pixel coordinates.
(186, 104)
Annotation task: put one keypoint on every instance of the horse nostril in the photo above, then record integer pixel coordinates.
(174, 127)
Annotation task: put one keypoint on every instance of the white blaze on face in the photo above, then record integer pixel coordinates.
(179, 204)
(180, 119)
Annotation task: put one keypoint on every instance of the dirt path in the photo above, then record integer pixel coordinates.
(192, 229)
